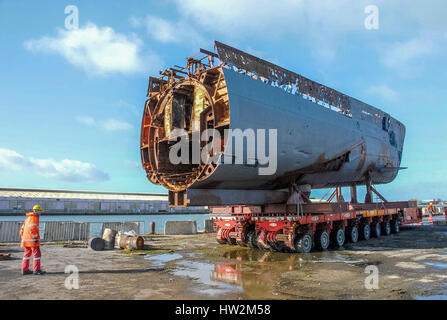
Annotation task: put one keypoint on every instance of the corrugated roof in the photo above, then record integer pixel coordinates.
(84, 195)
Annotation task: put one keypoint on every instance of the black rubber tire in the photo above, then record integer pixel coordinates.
(273, 246)
(251, 239)
(224, 241)
(386, 228)
(353, 234)
(365, 232)
(322, 240)
(221, 241)
(259, 245)
(395, 227)
(232, 241)
(338, 237)
(303, 243)
(284, 248)
(244, 243)
(376, 230)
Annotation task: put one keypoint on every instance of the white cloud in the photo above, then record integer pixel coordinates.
(311, 17)
(383, 92)
(10, 159)
(97, 50)
(65, 170)
(240, 18)
(429, 17)
(402, 54)
(166, 31)
(323, 26)
(115, 125)
(108, 124)
(86, 120)
(314, 23)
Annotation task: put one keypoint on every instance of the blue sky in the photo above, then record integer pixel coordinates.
(71, 100)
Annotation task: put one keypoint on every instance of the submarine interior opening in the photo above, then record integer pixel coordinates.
(182, 126)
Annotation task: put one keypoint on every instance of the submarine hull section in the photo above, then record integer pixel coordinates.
(316, 145)
(313, 135)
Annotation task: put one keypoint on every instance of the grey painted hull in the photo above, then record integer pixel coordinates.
(310, 139)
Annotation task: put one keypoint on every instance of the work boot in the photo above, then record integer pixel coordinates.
(39, 272)
(25, 272)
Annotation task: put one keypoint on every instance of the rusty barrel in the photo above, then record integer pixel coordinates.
(109, 238)
(132, 243)
(96, 243)
(123, 242)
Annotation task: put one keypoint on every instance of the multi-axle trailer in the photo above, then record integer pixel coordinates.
(301, 228)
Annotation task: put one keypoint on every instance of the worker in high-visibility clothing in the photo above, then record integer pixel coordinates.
(31, 241)
(431, 208)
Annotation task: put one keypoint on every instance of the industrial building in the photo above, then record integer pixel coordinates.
(14, 201)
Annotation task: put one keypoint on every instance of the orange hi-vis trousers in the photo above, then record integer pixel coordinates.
(35, 251)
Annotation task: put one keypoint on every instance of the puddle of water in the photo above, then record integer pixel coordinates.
(245, 255)
(161, 259)
(409, 265)
(435, 297)
(330, 257)
(203, 274)
(442, 265)
(291, 259)
(253, 271)
(366, 248)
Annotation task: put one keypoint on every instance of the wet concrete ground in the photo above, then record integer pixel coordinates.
(410, 265)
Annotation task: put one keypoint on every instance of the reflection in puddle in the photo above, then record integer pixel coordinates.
(436, 297)
(245, 255)
(368, 248)
(442, 265)
(256, 285)
(293, 260)
(328, 257)
(203, 274)
(161, 259)
(439, 294)
(254, 272)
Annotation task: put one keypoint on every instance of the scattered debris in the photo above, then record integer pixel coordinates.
(5, 256)
(75, 245)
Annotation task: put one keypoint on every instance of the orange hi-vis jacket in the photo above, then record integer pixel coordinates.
(30, 231)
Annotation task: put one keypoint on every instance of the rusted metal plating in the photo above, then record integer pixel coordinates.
(193, 98)
(280, 77)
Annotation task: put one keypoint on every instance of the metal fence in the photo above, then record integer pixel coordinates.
(70, 231)
(66, 230)
(122, 226)
(10, 231)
